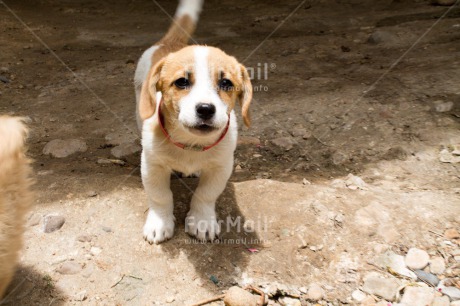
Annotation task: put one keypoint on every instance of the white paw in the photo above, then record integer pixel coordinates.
(203, 225)
(158, 227)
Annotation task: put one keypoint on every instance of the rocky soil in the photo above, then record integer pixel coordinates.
(345, 190)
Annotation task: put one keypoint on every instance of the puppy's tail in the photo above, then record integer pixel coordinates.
(184, 22)
(12, 135)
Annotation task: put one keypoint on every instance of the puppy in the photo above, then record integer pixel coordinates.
(15, 197)
(185, 100)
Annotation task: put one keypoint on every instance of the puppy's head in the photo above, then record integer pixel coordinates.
(199, 86)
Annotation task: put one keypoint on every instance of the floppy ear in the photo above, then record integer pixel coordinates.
(147, 99)
(245, 96)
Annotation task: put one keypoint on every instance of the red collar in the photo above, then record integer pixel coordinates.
(189, 147)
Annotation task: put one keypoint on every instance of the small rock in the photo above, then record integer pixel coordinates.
(358, 296)
(106, 229)
(248, 140)
(452, 292)
(298, 131)
(355, 182)
(95, 251)
(288, 301)
(395, 262)
(125, 149)
(446, 156)
(286, 143)
(444, 107)
(69, 268)
(441, 301)
(383, 287)
(339, 158)
(117, 138)
(103, 161)
(170, 299)
(417, 259)
(52, 222)
(437, 265)
(80, 296)
(315, 292)
(417, 296)
(4, 79)
(368, 301)
(88, 271)
(306, 182)
(307, 135)
(427, 277)
(91, 194)
(381, 37)
(62, 148)
(451, 234)
(84, 238)
(236, 296)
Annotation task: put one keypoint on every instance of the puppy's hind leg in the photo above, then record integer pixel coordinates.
(159, 225)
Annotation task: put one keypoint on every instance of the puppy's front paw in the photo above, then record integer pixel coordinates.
(203, 225)
(158, 227)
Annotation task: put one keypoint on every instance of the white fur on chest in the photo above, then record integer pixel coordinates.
(160, 151)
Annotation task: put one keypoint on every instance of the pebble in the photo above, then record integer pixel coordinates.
(452, 233)
(84, 238)
(106, 229)
(437, 265)
(298, 131)
(52, 222)
(427, 277)
(69, 267)
(62, 148)
(443, 107)
(441, 301)
(95, 251)
(417, 259)
(125, 149)
(452, 292)
(80, 296)
(383, 287)
(381, 37)
(236, 296)
(358, 296)
(91, 194)
(396, 262)
(286, 143)
(248, 140)
(355, 182)
(117, 138)
(417, 296)
(4, 79)
(288, 301)
(170, 299)
(315, 292)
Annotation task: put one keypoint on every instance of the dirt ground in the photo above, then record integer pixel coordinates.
(346, 87)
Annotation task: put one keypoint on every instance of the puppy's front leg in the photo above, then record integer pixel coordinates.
(201, 220)
(159, 225)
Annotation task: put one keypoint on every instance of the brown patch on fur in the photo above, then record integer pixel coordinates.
(15, 195)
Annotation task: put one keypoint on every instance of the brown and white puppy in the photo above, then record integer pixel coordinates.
(15, 195)
(185, 101)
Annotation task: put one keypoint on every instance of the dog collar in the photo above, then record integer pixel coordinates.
(185, 146)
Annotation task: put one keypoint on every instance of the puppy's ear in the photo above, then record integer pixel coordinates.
(147, 99)
(245, 96)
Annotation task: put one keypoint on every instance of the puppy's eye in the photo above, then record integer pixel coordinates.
(225, 84)
(182, 83)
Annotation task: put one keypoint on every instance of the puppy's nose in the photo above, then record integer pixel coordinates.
(205, 110)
